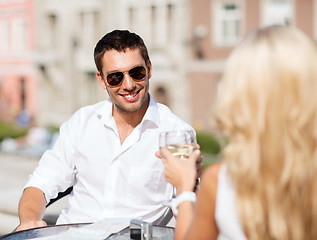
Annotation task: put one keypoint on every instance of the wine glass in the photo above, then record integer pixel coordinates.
(181, 143)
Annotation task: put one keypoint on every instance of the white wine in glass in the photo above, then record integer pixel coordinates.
(182, 151)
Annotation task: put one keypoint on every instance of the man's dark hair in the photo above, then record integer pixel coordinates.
(119, 40)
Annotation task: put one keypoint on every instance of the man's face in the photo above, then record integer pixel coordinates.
(129, 96)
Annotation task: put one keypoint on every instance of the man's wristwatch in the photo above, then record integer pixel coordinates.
(196, 185)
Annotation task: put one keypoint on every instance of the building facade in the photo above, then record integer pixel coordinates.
(47, 65)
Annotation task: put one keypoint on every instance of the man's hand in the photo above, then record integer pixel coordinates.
(199, 163)
(30, 224)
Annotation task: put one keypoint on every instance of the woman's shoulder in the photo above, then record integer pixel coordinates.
(209, 180)
(212, 171)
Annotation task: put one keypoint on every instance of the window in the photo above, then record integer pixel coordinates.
(131, 16)
(170, 13)
(153, 22)
(4, 36)
(19, 34)
(89, 22)
(52, 26)
(227, 22)
(277, 12)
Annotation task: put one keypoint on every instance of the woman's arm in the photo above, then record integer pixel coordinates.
(203, 224)
(182, 174)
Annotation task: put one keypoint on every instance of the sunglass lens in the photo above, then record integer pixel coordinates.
(138, 73)
(115, 79)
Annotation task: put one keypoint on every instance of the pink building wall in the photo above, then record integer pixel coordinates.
(16, 63)
(205, 78)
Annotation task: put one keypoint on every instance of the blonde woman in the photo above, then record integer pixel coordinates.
(266, 186)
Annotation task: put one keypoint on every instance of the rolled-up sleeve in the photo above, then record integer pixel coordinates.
(56, 167)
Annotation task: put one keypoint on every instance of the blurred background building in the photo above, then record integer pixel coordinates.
(46, 50)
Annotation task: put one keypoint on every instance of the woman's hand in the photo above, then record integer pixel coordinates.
(179, 172)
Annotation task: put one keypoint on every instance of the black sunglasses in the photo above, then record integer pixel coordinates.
(116, 78)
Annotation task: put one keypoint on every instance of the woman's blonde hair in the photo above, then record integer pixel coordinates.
(268, 107)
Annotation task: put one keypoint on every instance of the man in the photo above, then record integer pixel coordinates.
(107, 150)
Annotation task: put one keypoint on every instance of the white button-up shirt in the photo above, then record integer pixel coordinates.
(110, 179)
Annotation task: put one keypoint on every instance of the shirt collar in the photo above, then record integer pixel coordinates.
(104, 112)
(152, 113)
